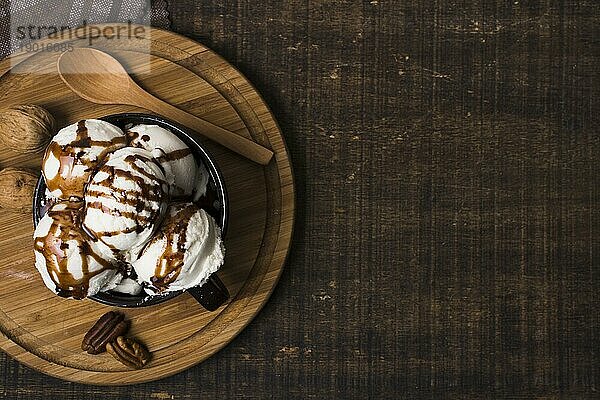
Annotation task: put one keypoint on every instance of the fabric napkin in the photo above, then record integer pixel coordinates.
(72, 12)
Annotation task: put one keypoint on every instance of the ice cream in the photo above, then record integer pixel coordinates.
(70, 263)
(184, 252)
(75, 152)
(120, 216)
(128, 286)
(183, 173)
(125, 201)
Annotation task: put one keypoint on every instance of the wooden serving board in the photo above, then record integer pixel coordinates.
(43, 330)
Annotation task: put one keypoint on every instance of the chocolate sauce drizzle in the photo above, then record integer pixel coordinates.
(65, 227)
(148, 193)
(166, 157)
(75, 153)
(175, 155)
(173, 255)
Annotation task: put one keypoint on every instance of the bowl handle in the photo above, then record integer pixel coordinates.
(212, 295)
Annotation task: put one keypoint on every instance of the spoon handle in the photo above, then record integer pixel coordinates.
(239, 144)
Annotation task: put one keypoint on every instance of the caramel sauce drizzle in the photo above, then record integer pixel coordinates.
(66, 227)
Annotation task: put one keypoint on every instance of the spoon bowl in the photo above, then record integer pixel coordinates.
(95, 76)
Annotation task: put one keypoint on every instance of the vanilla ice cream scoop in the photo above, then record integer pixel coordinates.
(70, 263)
(183, 173)
(128, 286)
(125, 201)
(75, 152)
(183, 254)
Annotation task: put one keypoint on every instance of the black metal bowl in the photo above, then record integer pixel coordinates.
(213, 293)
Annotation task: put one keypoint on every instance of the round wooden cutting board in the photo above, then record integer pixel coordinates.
(45, 331)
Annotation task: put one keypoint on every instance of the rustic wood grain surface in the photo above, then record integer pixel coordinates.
(447, 242)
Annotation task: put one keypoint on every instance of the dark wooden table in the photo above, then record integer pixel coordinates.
(448, 229)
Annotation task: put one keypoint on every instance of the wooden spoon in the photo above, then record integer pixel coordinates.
(99, 78)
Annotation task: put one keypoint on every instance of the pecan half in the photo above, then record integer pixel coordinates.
(129, 352)
(107, 329)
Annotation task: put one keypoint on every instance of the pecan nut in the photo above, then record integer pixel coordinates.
(110, 326)
(129, 352)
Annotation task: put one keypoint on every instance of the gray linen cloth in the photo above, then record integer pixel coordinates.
(71, 13)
